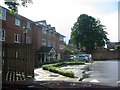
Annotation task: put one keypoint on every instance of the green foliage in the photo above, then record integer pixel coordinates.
(55, 68)
(13, 4)
(117, 47)
(89, 33)
(58, 70)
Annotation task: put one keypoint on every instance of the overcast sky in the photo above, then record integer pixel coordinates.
(62, 14)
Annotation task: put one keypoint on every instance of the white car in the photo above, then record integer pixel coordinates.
(72, 57)
(84, 57)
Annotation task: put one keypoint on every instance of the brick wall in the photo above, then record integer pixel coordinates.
(105, 54)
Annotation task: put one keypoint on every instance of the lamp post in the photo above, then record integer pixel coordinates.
(25, 31)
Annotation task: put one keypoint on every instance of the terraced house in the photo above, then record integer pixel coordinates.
(26, 43)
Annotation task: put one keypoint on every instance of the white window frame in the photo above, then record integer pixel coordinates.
(61, 47)
(44, 30)
(17, 40)
(29, 25)
(28, 40)
(61, 38)
(49, 43)
(54, 44)
(2, 35)
(43, 41)
(17, 22)
(2, 13)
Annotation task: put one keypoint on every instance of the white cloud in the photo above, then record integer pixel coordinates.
(62, 14)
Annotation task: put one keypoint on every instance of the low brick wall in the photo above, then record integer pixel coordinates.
(106, 54)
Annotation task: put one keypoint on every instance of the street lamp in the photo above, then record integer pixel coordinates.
(25, 31)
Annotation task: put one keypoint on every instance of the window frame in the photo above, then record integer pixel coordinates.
(44, 30)
(2, 35)
(61, 38)
(17, 22)
(49, 43)
(44, 42)
(61, 47)
(16, 40)
(28, 40)
(29, 25)
(2, 13)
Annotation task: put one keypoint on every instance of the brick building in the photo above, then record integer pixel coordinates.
(50, 45)
(16, 37)
(47, 44)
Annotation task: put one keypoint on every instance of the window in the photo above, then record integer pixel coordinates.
(28, 40)
(49, 43)
(2, 13)
(2, 35)
(54, 44)
(61, 47)
(17, 38)
(28, 25)
(49, 33)
(44, 30)
(61, 38)
(43, 42)
(17, 22)
(16, 54)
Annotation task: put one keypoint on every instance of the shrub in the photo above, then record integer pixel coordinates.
(117, 47)
(55, 68)
(58, 70)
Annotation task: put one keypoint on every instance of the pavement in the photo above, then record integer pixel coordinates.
(44, 75)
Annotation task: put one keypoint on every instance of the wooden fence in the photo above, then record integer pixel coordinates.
(17, 62)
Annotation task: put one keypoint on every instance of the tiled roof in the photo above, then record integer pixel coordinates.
(45, 49)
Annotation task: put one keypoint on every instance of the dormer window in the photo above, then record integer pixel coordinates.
(61, 38)
(2, 13)
(28, 25)
(44, 30)
(17, 22)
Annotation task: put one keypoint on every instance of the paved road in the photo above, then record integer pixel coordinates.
(106, 72)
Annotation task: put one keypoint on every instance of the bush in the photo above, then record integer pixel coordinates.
(55, 68)
(117, 47)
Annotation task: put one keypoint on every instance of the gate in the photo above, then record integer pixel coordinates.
(17, 62)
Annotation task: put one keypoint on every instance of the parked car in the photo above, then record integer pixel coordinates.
(84, 57)
(72, 57)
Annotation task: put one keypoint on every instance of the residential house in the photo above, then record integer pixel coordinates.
(111, 45)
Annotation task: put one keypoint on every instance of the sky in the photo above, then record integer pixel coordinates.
(62, 14)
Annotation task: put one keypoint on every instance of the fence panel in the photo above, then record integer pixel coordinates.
(17, 59)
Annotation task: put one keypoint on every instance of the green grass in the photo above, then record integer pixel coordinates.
(56, 68)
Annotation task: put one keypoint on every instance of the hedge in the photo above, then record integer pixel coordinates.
(56, 68)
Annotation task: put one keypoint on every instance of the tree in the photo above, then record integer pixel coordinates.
(89, 33)
(117, 47)
(13, 4)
